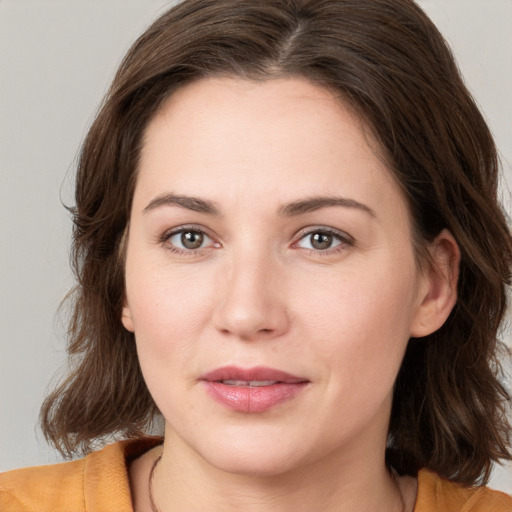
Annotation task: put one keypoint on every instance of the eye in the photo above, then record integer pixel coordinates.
(187, 240)
(323, 240)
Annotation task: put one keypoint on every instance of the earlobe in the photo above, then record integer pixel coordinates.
(126, 318)
(438, 291)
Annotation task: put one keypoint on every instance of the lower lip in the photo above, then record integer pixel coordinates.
(253, 399)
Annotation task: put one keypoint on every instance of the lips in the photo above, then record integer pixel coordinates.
(252, 390)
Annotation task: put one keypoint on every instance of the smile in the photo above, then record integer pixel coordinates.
(253, 390)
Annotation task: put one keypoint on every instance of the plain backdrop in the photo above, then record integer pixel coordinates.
(57, 58)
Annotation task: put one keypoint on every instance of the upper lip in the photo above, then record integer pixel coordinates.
(257, 373)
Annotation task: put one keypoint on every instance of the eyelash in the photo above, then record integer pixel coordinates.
(165, 240)
(343, 238)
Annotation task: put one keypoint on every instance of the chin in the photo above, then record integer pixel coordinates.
(258, 464)
(268, 456)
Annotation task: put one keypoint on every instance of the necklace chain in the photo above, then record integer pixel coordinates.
(151, 475)
(154, 508)
(394, 476)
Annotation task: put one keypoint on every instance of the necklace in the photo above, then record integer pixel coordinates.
(151, 475)
(154, 508)
(394, 476)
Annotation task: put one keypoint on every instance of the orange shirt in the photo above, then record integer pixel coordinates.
(99, 483)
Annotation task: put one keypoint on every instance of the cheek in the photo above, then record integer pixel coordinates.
(361, 321)
(170, 309)
(166, 322)
(162, 297)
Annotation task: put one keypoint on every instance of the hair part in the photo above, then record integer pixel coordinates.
(386, 60)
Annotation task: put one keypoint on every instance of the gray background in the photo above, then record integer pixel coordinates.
(57, 58)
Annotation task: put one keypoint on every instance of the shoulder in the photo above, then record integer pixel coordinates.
(440, 495)
(98, 482)
(43, 488)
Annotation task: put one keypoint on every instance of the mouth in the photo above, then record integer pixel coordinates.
(249, 384)
(252, 390)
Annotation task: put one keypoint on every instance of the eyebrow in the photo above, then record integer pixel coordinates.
(190, 203)
(316, 203)
(289, 210)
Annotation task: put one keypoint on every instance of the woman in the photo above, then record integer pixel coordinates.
(288, 245)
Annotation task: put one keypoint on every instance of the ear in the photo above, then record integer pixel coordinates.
(126, 318)
(438, 287)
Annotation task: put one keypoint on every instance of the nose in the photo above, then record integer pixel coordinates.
(251, 301)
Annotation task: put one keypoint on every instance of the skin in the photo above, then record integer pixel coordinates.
(258, 292)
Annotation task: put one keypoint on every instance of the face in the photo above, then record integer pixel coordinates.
(271, 281)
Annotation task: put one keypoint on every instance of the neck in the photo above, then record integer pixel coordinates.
(337, 482)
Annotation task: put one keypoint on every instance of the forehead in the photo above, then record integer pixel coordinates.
(233, 135)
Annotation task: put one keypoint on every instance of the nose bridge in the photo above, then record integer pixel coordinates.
(252, 302)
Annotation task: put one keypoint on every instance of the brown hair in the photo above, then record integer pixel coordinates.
(387, 59)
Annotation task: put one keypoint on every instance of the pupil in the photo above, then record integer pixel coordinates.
(192, 239)
(321, 240)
